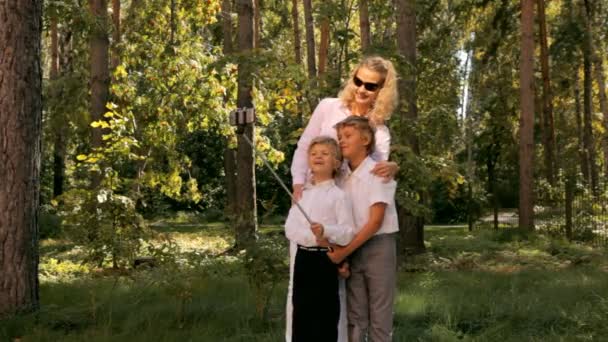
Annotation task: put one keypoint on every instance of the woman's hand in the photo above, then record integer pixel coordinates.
(386, 169)
(297, 191)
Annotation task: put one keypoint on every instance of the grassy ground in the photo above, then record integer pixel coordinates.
(480, 286)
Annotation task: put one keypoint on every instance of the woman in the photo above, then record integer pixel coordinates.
(370, 91)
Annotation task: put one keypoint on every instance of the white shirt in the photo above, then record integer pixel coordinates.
(326, 204)
(328, 113)
(366, 189)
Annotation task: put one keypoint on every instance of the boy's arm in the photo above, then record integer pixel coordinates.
(376, 217)
(342, 232)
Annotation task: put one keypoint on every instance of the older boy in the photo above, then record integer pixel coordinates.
(371, 286)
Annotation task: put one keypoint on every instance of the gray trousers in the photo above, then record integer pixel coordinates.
(371, 290)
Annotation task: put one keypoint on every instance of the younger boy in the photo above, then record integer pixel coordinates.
(371, 286)
(313, 301)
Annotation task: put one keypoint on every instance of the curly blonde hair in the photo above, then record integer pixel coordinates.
(388, 95)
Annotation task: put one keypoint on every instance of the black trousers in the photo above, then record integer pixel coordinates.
(316, 302)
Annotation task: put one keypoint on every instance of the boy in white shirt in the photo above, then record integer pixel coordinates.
(315, 311)
(373, 262)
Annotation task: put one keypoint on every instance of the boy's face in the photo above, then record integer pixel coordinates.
(322, 160)
(352, 142)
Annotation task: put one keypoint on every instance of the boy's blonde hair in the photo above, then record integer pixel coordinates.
(331, 142)
(363, 125)
(388, 94)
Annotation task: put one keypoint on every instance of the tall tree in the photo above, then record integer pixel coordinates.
(310, 39)
(364, 25)
(324, 44)
(526, 121)
(411, 227)
(229, 153)
(588, 139)
(20, 145)
(297, 46)
(246, 220)
(115, 33)
(548, 130)
(100, 74)
(59, 148)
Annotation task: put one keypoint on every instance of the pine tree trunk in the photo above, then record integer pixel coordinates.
(526, 122)
(411, 228)
(246, 220)
(364, 25)
(297, 45)
(310, 39)
(548, 131)
(588, 139)
(20, 150)
(59, 134)
(584, 163)
(100, 74)
(229, 153)
(115, 33)
(324, 45)
(257, 24)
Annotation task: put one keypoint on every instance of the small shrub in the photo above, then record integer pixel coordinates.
(49, 223)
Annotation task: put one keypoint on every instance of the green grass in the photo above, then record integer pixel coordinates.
(482, 286)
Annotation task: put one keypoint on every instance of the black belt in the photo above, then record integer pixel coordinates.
(314, 249)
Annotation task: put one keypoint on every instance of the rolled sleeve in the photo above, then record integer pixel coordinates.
(343, 231)
(382, 192)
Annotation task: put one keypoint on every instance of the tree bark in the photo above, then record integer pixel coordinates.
(310, 39)
(229, 153)
(588, 139)
(548, 131)
(411, 228)
(526, 122)
(257, 21)
(59, 135)
(115, 33)
(324, 45)
(584, 163)
(297, 42)
(246, 220)
(100, 74)
(364, 25)
(20, 150)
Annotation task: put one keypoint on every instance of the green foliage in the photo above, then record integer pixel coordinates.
(265, 265)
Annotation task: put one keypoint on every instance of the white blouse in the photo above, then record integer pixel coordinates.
(328, 113)
(326, 204)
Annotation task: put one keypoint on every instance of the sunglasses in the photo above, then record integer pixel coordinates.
(369, 86)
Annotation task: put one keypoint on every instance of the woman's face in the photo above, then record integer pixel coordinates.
(366, 78)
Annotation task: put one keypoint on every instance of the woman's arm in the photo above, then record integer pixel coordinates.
(383, 168)
(299, 163)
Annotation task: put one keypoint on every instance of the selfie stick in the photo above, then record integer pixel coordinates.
(240, 118)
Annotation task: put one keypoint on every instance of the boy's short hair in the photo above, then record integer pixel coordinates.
(363, 125)
(327, 141)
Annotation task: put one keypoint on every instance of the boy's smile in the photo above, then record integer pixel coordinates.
(352, 143)
(322, 161)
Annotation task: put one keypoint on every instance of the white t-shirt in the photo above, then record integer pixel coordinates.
(326, 204)
(328, 113)
(366, 189)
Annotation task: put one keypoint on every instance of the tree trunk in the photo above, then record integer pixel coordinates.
(324, 45)
(588, 139)
(579, 129)
(364, 25)
(229, 153)
(246, 220)
(59, 134)
(548, 131)
(411, 228)
(100, 74)
(526, 122)
(310, 39)
(257, 24)
(115, 33)
(20, 149)
(296, 31)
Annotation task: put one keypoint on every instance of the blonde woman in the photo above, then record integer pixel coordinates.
(370, 91)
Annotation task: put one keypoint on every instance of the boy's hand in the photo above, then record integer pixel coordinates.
(344, 270)
(337, 254)
(323, 242)
(317, 230)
